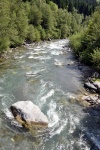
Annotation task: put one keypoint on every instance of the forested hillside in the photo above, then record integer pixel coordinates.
(86, 44)
(34, 20)
(86, 7)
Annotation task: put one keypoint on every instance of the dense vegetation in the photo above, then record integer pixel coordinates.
(86, 44)
(34, 20)
(85, 7)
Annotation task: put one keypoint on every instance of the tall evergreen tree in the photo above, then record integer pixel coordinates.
(4, 24)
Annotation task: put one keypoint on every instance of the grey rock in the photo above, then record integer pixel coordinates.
(12, 123)
(23, 116)
(49, 39)
(28, 114)
(97, 85)
(8, 114)
(92, 99)
(90, 86)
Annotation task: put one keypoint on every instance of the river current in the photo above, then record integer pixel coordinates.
(48, 75)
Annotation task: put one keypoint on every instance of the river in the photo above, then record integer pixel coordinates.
(48, 75)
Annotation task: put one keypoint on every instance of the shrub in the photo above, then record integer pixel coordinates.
(4, 44)
(85, 57)
(76, 42)
(31, 33)
(42, 32)
(37, 35)
(96, 58)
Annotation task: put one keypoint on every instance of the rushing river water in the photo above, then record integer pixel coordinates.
(48, 75)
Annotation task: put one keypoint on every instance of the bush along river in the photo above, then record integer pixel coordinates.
(48, 75)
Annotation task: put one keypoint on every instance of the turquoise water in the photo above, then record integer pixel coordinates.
(48, 75)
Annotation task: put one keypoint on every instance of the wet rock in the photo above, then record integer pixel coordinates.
(90, 86)
(92, 83)
(95, 75)
(11, 122)
(28, 114)
(97, 85)
(49, 39)
(92, 99)
(24, 116)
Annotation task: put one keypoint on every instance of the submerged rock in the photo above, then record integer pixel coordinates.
(25, 114)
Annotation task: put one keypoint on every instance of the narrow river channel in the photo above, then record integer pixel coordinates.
(48, 75)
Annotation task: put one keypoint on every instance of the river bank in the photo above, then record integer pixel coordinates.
(92, 86)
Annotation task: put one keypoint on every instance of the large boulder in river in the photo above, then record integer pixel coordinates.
(28, 115)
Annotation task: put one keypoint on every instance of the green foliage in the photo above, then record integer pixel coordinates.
(18, 25)
(85, 7)
(42, 32)
(47, 19)
(21, 22)
(87, 44)
(4, 44)
(35, 15)
(76, 42)
(96, 58)
(53, 6)
(4, 24)
(37, 35)
(92, 35)
(85, 57)
(31, 34)
(65, 31)
(35, 20)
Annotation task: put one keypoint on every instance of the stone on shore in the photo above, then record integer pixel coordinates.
(92, 83)
(97, 85)
(92, 99)
(90, 86)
